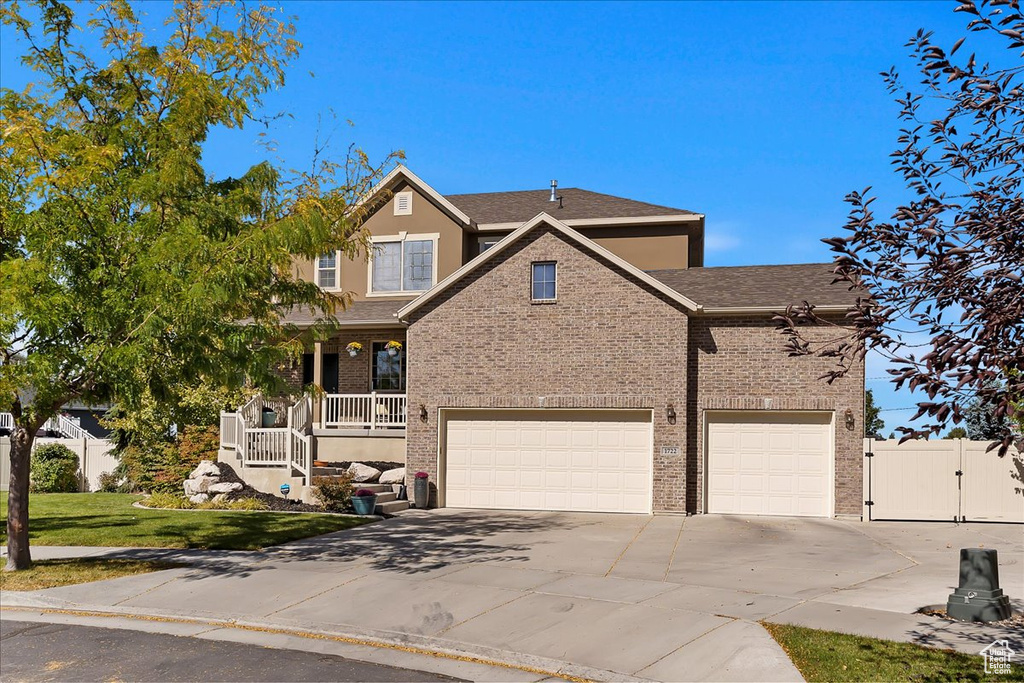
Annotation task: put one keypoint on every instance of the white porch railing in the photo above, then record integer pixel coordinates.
(259, 446)
(372, 411)
(58, 423)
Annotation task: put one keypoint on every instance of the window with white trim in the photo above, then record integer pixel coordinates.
(543, 284)
(327, 271)
(403, 264)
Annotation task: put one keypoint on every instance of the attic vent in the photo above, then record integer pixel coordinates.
(403, 203)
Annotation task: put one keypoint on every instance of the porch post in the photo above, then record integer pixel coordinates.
(318, 375)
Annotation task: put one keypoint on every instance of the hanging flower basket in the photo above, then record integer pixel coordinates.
(393, 347)
(354, 348)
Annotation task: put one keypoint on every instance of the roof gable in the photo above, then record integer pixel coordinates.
(538, 220)
(399, 173)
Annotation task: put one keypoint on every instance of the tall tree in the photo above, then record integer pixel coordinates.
(125, 268)
(873, 425)
(949, 262)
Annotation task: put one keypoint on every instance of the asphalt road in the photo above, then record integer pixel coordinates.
(59, 652)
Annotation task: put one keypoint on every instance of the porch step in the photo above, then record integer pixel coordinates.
(376, 488)
(386, 497)
(390, 507)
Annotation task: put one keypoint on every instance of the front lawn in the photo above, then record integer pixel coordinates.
(831, 656)
(54, 573)
(108, 519)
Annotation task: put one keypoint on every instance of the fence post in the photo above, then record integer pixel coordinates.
(289, 446)
(373, 410)
(865, 515)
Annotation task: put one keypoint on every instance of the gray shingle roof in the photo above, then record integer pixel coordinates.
(759, 286)
(519, 207)
(358, 313)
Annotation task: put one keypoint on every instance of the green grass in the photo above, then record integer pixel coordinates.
(830, 656)
(108, 519)
(53, 573)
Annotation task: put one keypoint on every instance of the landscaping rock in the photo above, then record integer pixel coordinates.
(363, 474)
(224, 487)
(395, 476)
(199, 498)
(199, 485)
(206, 468)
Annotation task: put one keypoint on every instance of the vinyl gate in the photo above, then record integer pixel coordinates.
(946, 480)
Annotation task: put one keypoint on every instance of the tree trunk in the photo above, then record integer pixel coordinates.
(18, 556)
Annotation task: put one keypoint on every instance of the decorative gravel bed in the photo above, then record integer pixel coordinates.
(1015, 620)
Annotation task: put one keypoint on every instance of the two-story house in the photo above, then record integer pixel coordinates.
(562, 349)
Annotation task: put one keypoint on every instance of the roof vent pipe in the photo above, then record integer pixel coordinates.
(554, 191)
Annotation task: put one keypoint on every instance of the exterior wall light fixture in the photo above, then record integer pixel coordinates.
(670, 413)
(423, 413)
(848, 416)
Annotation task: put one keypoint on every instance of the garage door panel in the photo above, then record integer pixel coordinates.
(598, 463)
(769, 463)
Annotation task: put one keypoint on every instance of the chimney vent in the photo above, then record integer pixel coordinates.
(554, 191)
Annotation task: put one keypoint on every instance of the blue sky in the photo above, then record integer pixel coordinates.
(761, 115)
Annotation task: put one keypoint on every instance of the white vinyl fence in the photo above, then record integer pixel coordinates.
(945, 479)
(94, 458)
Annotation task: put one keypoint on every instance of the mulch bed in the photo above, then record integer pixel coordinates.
(278, 503)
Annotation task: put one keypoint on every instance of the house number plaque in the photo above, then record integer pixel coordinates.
(670, 450)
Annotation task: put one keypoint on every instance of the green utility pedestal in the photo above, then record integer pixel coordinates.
(979, 597)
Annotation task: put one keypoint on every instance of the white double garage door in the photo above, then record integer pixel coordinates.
(601, 461)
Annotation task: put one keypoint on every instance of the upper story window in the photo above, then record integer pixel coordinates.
(404, 263)
(403, 203)
(544, 285)
(327, 271)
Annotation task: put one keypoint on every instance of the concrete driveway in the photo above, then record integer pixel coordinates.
(663, 598)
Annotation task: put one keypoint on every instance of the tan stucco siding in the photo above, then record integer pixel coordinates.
(425, 219)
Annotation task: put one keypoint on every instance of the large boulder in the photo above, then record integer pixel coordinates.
(199, 485)
(224, 487)
(199, 498)
(395, 476)
(363, 474)
(207, 468)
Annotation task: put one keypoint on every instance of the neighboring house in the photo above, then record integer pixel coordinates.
(568, 350)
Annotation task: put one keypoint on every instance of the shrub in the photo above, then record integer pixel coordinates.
(162, 466)
(109, 482)
(250, 504)
(168, 501)
(54, 469)
(334, 493)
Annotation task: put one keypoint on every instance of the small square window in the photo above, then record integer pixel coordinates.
(543, 285)
(327, 271)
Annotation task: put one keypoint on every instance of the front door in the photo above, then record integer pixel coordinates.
(329, 373)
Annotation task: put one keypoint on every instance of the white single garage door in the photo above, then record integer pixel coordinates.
(584, 461)
(769, 463)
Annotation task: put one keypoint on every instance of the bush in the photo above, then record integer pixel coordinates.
(334, 493)
(168, 501)
(162, 466)
(250, 504)
(109, 482)
(54, 469)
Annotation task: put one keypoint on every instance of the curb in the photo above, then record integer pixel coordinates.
(408, 643)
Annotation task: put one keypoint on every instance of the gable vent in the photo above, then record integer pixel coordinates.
(403, 203)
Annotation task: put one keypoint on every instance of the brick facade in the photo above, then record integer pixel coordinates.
(611, 342)
(737, 363)
(353, 373)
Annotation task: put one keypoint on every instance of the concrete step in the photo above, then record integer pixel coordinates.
(391, 507)
(386, 497)
(376, 488)
(327, 471)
